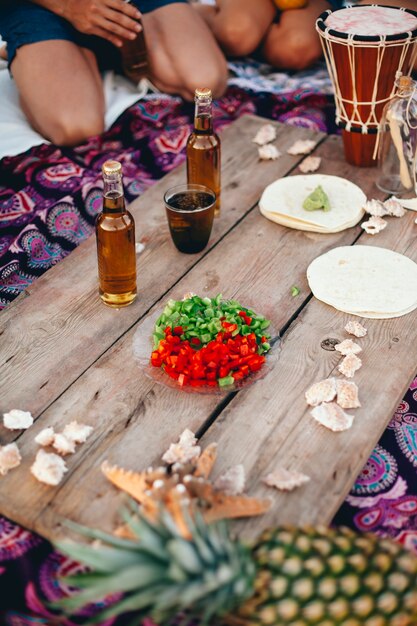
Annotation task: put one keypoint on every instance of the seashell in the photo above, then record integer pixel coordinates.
(347, 394)
(310, 164)
(375, 208)
(63, 445)
(9, 458)
(374, 225)
(232, 482)
(48, 468)
(78, 433)
(332, 416)
(348, 347)
(350, 364)
(302, 146)
(17, 419)
(184, 451)
(355, 328)
(268, 153)
(46, 437)
(285, 480)
(394, 208)
(265, 134)
(323, 391)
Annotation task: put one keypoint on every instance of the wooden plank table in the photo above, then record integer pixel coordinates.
(65, 356)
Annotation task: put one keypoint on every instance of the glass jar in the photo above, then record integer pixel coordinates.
(398, 141)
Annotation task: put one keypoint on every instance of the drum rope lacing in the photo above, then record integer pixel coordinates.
(355, 119)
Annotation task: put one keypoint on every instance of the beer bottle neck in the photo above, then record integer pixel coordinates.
(113, 196)
(203, 118)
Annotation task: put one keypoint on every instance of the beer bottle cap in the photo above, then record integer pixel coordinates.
(203, 92)
(110, 168)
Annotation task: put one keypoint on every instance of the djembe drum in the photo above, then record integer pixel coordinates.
(365, 46)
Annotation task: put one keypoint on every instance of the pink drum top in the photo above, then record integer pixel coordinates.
(371, 20)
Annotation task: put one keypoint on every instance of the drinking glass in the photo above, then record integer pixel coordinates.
(190, 213)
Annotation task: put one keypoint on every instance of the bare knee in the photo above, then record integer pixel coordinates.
(68, 129)
(295, 51)
(238, 37)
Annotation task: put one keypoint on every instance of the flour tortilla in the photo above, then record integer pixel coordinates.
(284, 198)
(306, 226)
(365, 280)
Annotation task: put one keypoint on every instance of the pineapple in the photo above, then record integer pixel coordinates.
(288, 576)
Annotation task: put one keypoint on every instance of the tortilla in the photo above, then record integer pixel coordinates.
(284, 199)
(303, 225)
(365, 280)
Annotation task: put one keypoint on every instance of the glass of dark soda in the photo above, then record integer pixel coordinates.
(190, 213)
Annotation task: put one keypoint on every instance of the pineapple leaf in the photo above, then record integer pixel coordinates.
(91, 533)
(151, 541)
(184, 553)
(141, 602)
(123, 581)
(103, 559)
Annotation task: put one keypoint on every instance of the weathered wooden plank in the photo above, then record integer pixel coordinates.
(59, 327)
(269, 425)
(134, 419)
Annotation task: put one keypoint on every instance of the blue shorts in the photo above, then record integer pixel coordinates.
(23, 22)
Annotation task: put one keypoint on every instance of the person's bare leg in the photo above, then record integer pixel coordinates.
(182, 51)
(60, 90)
(239, 25)
(293, 42)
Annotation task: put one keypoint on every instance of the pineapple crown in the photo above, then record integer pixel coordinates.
(160, 573)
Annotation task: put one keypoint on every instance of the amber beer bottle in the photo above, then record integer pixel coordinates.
(115, 232)
(203, 147)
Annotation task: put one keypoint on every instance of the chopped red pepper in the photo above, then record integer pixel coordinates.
(226, 355)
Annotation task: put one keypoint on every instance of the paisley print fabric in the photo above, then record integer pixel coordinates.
(49, 199)
(384, 497)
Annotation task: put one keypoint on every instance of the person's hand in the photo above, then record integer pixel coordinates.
(113, 20)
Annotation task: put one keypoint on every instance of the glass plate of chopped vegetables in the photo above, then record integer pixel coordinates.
(206, 345)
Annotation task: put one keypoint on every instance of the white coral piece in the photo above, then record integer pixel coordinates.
(78, 433)
(285, 480)
(48, 468)
(375, 208)
(347, 394)
(310, 164)
(63, 445)
(323, 391)
(265, 134)
(268, 152)
(46, 437)
(17, 419)
(348, 347)
(9, 458)
(184, 451)
(394, 208)
(374, 225)
(332, 416)
(355, 328)
(302, 146)
(350, 364)
(232, 482)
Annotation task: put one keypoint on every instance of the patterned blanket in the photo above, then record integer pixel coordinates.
(49, 199)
